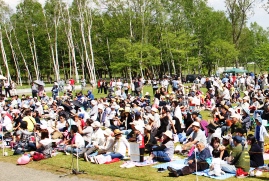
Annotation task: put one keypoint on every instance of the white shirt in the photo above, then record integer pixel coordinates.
(178, 114)
(121, 146)
(108, 144)
(226, 94)
(119, 84)
(79, 141)
(216, 164)
(242, 80)
(94, 112)
(7, 123)
(157, 120)
(98, 137)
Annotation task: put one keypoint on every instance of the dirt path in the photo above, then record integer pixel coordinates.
(11, 172)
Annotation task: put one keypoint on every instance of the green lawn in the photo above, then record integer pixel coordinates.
(61, 164)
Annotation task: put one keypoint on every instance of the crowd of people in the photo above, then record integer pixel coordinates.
(232, 140)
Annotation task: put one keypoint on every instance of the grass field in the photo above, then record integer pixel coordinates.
(61, 164)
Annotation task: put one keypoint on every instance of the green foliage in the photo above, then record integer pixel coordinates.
(158, 37)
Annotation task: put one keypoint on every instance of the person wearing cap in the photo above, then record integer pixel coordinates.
(235, 123)
(246, 122)
(255, 152)
(39, 108)
(164, 152)
(255, 104)
(198, 136)
(246, 101)
(45, 98)
(120, 147)
(260, 132)
(6, 121)
(203, 157)
(239, 158)
(97, 136)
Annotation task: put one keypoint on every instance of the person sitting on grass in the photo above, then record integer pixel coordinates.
(203, 157)
(197, 136)
(215, 168)
(239, 158)
(255, 152)
(121, 145)
(164, 152)
(77, 141)
(105, 148)
(44, 145)
(149, 139)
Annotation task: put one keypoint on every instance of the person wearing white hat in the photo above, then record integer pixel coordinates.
(245, 101)
(97, 136)
(105, 148)
(164, 152)
(139, 130)
(39, 108)
(197, 136)
(255, 104)
(154, 112)
(94, 110)
(102, 116)
(6, 121)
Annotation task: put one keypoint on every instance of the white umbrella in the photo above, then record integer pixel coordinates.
(39, 82)
(2, 77)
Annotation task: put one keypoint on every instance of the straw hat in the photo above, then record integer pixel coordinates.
(117, 132)
(127, 109)
(226, 107)
(168, 134)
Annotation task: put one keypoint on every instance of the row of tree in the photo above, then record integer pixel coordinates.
(147, 38)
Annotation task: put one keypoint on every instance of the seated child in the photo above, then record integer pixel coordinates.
(215, 168)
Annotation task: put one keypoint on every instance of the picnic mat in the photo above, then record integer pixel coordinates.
(177, 164)
(222, 177)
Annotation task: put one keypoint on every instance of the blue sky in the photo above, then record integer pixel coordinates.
(260, 15)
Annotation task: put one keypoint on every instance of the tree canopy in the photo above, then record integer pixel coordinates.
(116, 38)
